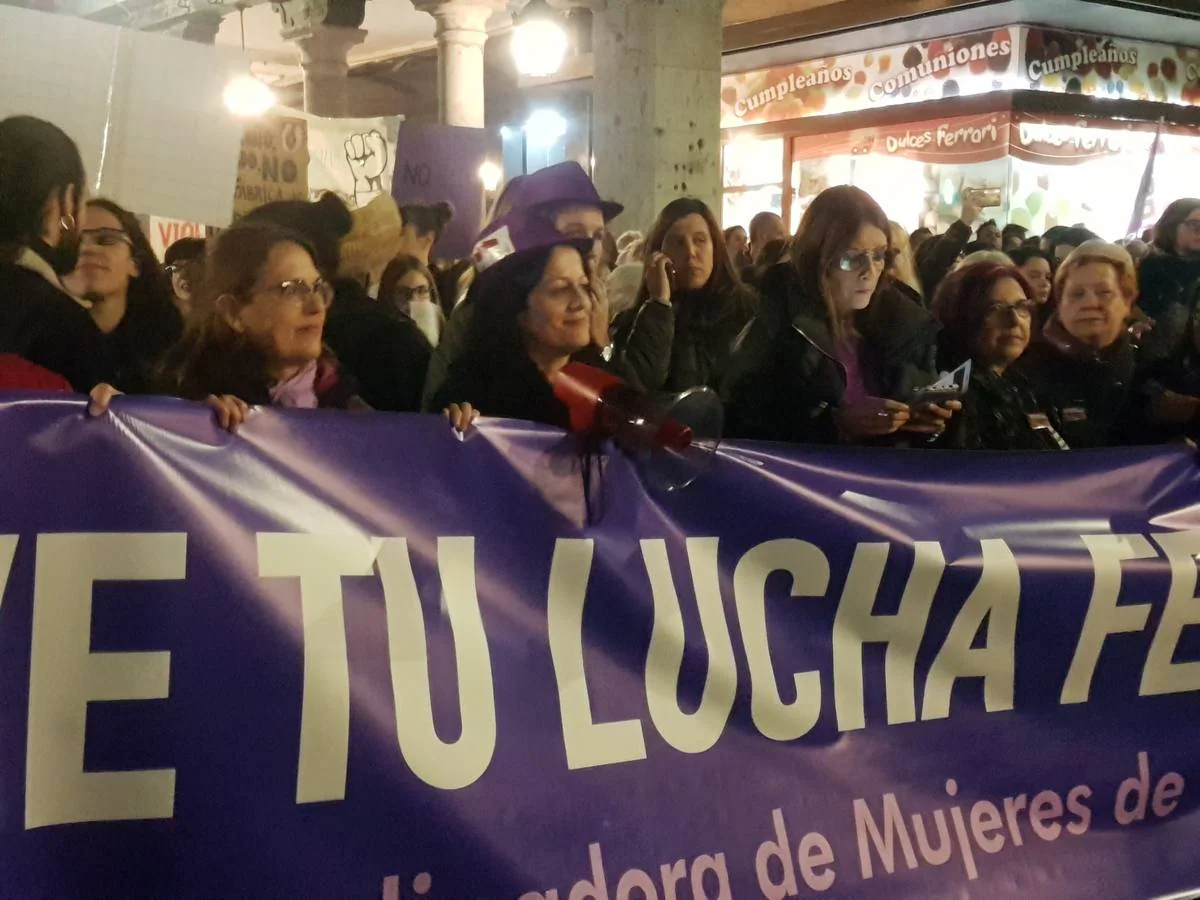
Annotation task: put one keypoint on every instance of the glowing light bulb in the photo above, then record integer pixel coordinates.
(539, 42)
(248, 97)
(490, 174)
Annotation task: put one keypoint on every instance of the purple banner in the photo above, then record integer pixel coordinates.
(352, 656)
(441, 162)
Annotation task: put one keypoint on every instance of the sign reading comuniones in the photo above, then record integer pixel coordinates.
(273, 164)
(1003, 59)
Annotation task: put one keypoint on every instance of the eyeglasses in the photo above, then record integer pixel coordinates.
(409, 294)
(1022, 310)
(105, 237)
(300, 292)
(1192, 225)
(861, 260)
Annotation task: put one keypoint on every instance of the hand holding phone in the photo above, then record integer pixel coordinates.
(660, 278)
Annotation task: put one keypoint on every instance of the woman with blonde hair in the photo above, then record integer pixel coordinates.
(903, 270)
(1085, 365)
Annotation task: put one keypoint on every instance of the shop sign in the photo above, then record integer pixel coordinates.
(1068, 140)
(1102, 66)
(949, 67)
(962, 139)
(1017, 58)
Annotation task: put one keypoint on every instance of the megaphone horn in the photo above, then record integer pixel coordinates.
(673, 438)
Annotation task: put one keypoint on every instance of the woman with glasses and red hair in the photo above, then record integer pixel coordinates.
(836, 353)
(255, 336)
(987, 312)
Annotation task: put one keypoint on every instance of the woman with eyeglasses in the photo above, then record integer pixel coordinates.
(691, 307)
(119, 275)
(987, 311)
(410, 287)
(256, 333)
(1086, 366)
(836, 354)
(184, 265)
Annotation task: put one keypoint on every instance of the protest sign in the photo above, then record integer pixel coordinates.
(165, 232)
(273, 164)
(353, 158)
(351, 656)
(146, 110)
(441, 162)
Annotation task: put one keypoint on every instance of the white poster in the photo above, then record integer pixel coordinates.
(353, 158)
(145, 109)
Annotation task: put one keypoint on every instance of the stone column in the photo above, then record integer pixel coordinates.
(656, 115)
(461, 34)
(323, 59)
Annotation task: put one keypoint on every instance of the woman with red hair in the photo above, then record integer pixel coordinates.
(987, 312)
(836, 352)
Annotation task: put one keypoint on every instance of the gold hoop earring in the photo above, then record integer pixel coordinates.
(67, 222)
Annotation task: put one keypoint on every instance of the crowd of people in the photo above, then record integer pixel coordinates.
(836, 334)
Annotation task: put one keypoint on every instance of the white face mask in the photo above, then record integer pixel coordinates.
(429, 318)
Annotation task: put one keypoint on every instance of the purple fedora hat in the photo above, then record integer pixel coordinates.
(564, 184)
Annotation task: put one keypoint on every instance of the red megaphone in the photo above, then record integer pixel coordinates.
(673, 438)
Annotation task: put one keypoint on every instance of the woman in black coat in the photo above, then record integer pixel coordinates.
(533, 304)
(835, 353)
(1084, 368)
(132, 305)
(691, 306)
(987, 312)
(1169, 279)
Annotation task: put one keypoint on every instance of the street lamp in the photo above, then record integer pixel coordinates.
(539, 40)
(491, 175)
(248, 97)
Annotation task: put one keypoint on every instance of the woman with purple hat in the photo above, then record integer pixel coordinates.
(561, 198)
(533, 304)
(691, 307)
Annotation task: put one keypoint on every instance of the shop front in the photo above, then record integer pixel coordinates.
(1063, 124)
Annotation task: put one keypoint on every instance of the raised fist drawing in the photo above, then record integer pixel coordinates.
(367, 156)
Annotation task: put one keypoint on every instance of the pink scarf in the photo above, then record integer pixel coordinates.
(299, 391)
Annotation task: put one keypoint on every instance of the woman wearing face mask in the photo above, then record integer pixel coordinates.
(987, 311)
(410, 288)
(1085, 365)
(533, 304)
(834, 354)
(691, 307)
(120, 276)
(41, 201)
(256, 333)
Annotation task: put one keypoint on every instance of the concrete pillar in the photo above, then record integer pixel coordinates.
(323, 52)
(656, 116)
(461, 35)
